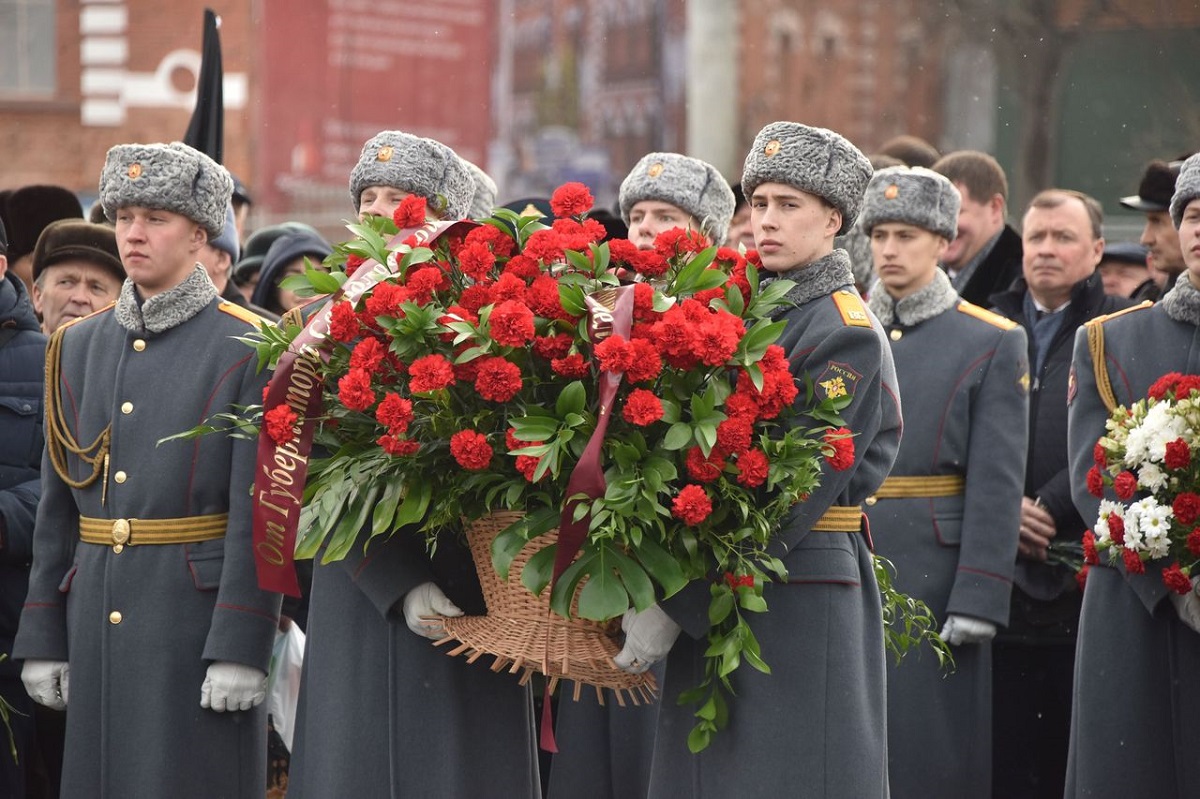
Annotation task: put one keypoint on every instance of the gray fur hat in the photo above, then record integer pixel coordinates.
(423, 167)
(172, 177)
(814, 160)
(484, 199)
(915, 196)
(687, 183)
(1187, 188)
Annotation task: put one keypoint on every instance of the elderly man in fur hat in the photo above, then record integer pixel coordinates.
(1135, 722)
(144, 615)
(816, 724)
(382, 712)
(948, 514)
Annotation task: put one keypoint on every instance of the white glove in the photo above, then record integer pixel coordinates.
(649, 636)
(1186, 605)
(46, 682)
(232, 686)
(424, 601)
(960, 630)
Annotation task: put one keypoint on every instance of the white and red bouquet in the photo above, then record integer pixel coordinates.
(1149, 457)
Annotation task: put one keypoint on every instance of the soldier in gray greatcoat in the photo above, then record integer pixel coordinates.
(948, 514)
(382, 713)
(816, 725)
(1135, 722)
(144, 614)
(605, 750)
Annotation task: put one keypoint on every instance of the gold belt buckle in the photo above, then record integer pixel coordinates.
(120, 534)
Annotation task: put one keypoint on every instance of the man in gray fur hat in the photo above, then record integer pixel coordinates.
(1135, 724)
(817, 723)
(382, 713)
(144, 614)
(668, 190)
(948, 515)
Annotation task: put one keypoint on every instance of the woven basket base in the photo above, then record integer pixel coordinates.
(524, 636)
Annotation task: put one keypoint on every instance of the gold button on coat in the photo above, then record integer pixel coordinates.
(126, 407)
(139, 344)
(896, 335)
(120, 477)
(115, 617)
(871, 500)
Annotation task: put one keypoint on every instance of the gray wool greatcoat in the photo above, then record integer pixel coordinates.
(816, 726)
(1135, 723)
(140, 627)
(964, 376)
(383, 713)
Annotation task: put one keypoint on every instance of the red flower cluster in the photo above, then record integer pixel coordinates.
(842, 456)
(692, 505)
(1180, 385)
(279, 423)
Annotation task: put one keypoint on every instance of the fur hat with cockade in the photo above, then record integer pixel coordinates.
(687, 183)
(914, 196)
(423, 167)
(814, 160)
(484, 199)
(171, 177)
(1187, 188)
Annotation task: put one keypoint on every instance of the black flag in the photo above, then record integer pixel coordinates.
(206, 131)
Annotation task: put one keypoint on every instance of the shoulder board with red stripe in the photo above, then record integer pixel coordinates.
(851, 307)
(245, 314)
(992, 318)
(1099, 320)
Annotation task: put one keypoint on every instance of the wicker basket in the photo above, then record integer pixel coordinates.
(524, 635)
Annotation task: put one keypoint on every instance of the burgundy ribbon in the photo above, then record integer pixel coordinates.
(610, 312)
(281, 470)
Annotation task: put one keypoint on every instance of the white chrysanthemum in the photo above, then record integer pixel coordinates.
(1151, 477)
(1148, 441)
(1101, 529)
(1158, 543)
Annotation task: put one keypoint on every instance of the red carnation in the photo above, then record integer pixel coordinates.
(1133, 562)
(476, 261)
(1116, 529)
(279, 422)
(677, 241)
(734, 435)
(1099, 456)
(395, 413)
(512, 324)
(508, 287)
(1081, 576)
(1090, 555)
(1176, 580)
(1160, 387)
(424, 281)
(354, 390)
(741, 405)
(842, 457)
(523, 267)
(643, 303)
(556, 346)
(410, 213)
(497, 379)
(430, 373)
(692, 505)
(385, 300)
(1186, 507)
(704, 469)
(343, 323)
(1179, 455)
(642, 407)
(544, 246)
(572, 365)
(1095, 482)
(614, 354)
(368, 354)
(493, 238)
(394, 445)
(715, 341)
(475, 297)
(1125, 484)
(471, 449)
(647, 365)
(1193, 541)
(354, 261)
(571, 199)
(753, 468)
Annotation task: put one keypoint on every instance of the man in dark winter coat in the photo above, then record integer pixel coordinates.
(1159, 236)
(1033, 660)
(144, 614)
(985, 256)
(22, 365)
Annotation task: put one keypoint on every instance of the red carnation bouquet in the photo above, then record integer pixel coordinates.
(1148, 458)
(486, 367)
